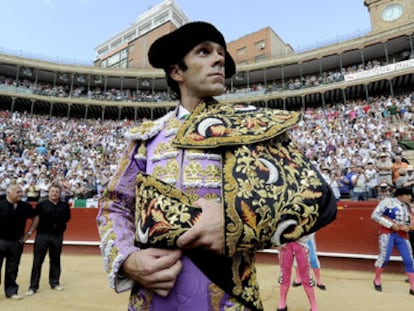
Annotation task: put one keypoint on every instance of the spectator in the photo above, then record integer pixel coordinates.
(33, 191)
(407, 181)
(43, 182)
(384, 168)
(53, 215)
(372, 176)
(13, 216)
(360, 182)
(67, 193)
(4, 182)
(343, 184)
(384, 190)
(330, 179)
(353, 170)
(396, 166)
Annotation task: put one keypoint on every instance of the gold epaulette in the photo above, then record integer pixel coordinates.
(216, 125)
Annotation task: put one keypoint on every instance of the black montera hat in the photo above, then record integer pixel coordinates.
(402, 191)
(171, 48)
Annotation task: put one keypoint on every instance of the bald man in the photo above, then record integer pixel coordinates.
(14, 214)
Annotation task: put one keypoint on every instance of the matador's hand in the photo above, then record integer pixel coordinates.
(208, 232)
(153, 268)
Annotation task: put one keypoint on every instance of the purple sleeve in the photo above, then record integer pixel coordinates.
(116, 217)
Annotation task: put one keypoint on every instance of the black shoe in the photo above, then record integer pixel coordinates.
(378, 288)
(411, 292)
(407, 281)
(321, 286)
(294, 284)
(282, 309)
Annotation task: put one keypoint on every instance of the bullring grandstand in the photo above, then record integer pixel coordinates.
(329, 81)
(379, 63)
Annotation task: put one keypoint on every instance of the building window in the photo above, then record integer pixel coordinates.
(116, 59)
(260, 45)
(113, 59)
(123, 64)
(260, 57)
(241, 51)
(123, 54)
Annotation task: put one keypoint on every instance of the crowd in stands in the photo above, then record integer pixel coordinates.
(79, 154)
(356, 147)
(144, 95)
(96, 93)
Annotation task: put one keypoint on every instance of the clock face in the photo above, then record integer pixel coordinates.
(392, 12)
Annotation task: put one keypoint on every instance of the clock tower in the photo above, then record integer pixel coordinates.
(388, 14)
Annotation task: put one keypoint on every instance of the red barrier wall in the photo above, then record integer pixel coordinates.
(353, 232)
(82, 225)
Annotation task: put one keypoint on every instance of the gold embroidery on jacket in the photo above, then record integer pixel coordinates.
(172, 126)
(212, 174)
(164, 212)
(216, 294)
(142, 151)
(164, 150)
(141, 300)
(217, 125)
(169, 173)
(245, 280)
(264, 185)
(198, 177)
(232, 304)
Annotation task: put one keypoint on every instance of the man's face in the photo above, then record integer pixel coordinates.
(15, 194)
(205, 71)
(54, 194)
(405, 198)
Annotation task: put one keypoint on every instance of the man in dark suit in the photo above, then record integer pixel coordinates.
(13, 216)
(53, 213)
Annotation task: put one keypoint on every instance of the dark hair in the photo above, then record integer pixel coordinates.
(56, 185)
(403, 190)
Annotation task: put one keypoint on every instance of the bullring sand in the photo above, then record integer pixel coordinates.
(86, 289)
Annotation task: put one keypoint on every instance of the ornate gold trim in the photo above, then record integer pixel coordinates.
(216, 125)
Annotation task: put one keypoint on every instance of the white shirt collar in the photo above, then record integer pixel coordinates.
(182, 112)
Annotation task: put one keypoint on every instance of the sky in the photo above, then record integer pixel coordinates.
(68, 31)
